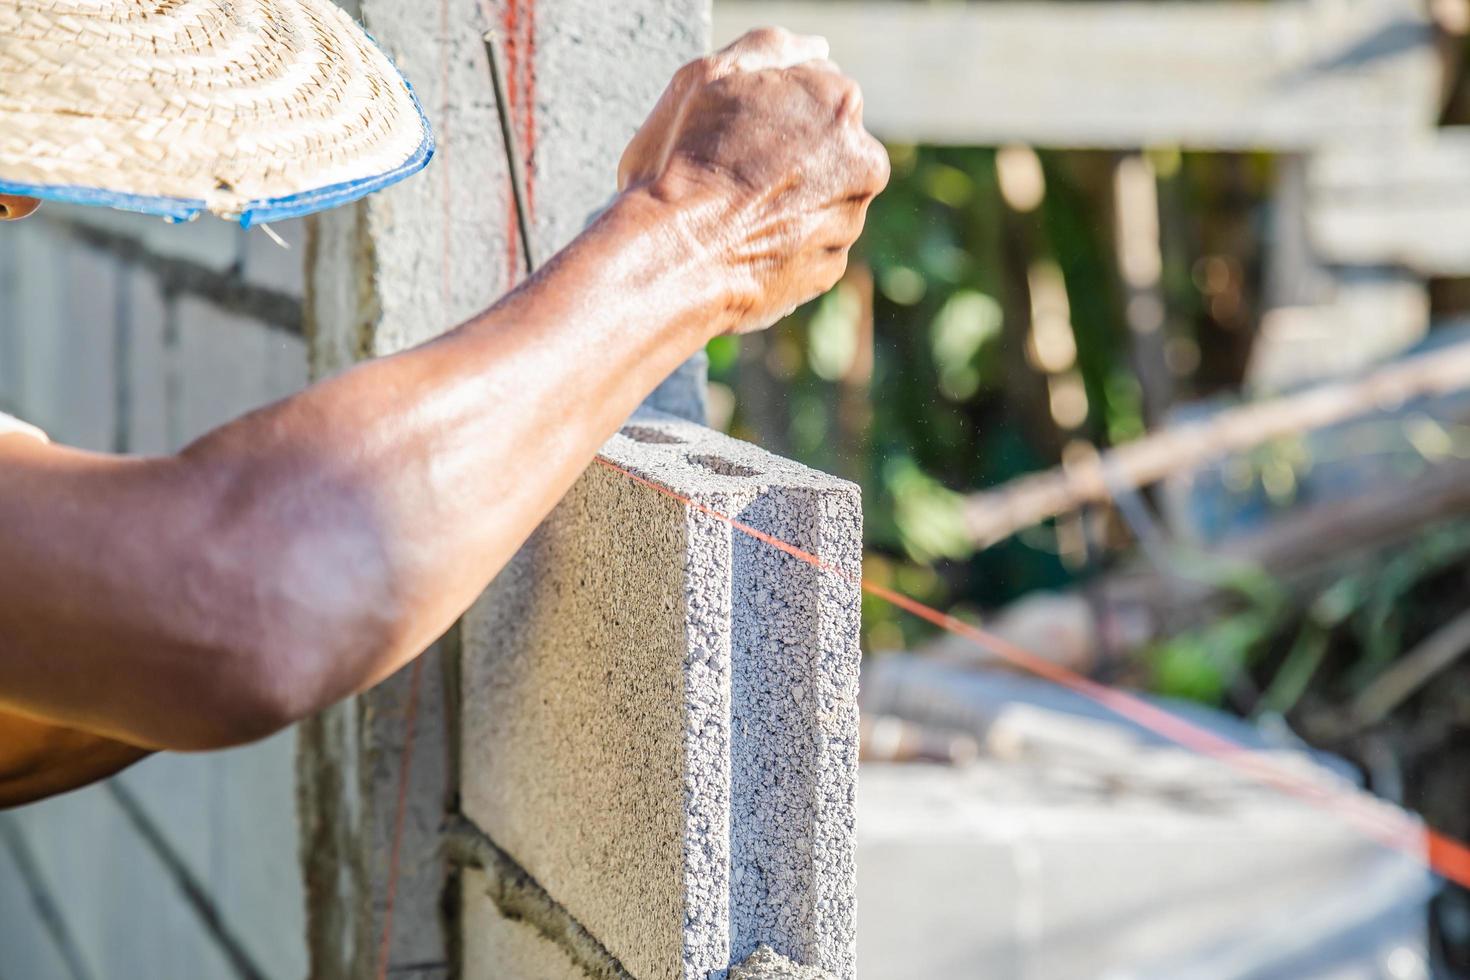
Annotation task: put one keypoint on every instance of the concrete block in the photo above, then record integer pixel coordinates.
(150, 385)
(1324, 320)
(31, 318)
(85, 380)
(31, 952)
(403, 266)
(257, 853)
(689, 695)
(582, 121)
(1373, 315)
(348, 774)
(1007, 869)
(90, 348)
(231, 817)
(12, 325)
(1399, 202)
(63, 336)
(766, 964)
(435, 249)
(1078, 845)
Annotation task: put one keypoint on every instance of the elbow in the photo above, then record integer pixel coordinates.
(250, 693)
(258, 686)
(297, 615)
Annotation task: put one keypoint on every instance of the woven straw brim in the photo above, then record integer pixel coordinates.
(252, 109)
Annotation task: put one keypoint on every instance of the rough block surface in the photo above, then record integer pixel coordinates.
(662, 713)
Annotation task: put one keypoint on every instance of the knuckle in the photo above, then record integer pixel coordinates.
(871, 162)
(837, 269)
(700, 71)
(769, 36)
(837, 90)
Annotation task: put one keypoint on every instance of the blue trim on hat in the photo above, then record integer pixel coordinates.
(254, 212)
(172, 208)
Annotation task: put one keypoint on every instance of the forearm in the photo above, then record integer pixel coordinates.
(448, 455)
(309, 549)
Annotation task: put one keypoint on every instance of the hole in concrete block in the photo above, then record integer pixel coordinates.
(717, 464)
(642, 433)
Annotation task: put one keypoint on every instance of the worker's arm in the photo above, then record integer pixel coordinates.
(311, 548)
(40, 759)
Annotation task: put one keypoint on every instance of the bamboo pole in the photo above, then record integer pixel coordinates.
(994, 515)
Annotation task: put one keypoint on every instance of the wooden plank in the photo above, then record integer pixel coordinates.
(1323, 320)
(1395, 203)
(1211, 75)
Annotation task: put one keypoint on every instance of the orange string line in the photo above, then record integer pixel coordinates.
(1375, 818)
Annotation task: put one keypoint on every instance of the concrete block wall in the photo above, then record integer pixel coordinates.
(124, 333)
(644, 735)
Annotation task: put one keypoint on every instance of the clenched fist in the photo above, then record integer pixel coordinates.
(763, 148)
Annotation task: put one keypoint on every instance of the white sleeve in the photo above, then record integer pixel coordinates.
(14, 426)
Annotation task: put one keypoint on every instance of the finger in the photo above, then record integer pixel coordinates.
(841, 228)
(649, 147)
(877, 167)
(829, 86)
(772, 47)
(822, 64)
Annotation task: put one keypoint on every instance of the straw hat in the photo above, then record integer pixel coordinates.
(255, 110)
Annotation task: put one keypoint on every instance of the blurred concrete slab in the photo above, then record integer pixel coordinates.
(1079, 846)
(1207, 75)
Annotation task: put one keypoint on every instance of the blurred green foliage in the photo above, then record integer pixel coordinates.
(951, 404)
(914, 379)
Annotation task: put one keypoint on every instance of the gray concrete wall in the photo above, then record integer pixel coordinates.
(124, 333)
(655, 733)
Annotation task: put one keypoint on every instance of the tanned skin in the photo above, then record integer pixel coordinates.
(306, 551)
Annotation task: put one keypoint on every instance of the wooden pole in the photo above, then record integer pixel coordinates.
(994, 515)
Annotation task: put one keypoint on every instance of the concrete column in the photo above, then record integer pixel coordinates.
(396, 269)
